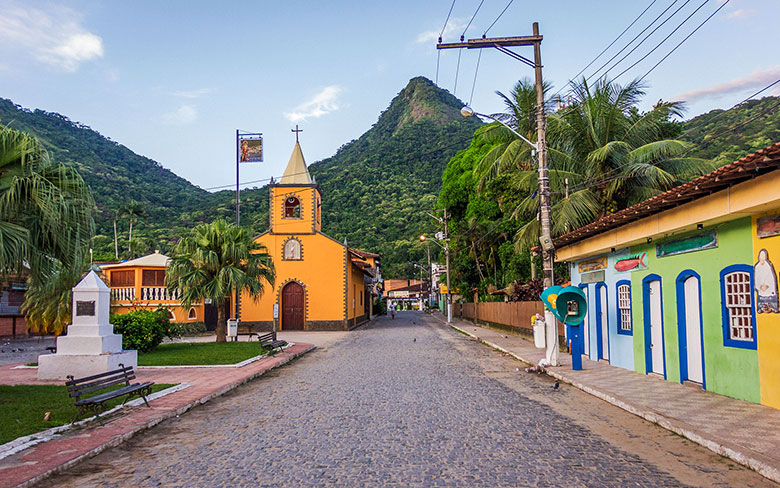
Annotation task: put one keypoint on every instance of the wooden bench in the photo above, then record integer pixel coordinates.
(269, 340)
(79, 388)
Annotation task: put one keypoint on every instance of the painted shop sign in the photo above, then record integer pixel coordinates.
(632, 262)
(594, 264)
(768, 226)
(698, 242)
(765, 283)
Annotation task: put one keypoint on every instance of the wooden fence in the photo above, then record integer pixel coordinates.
(516, 315)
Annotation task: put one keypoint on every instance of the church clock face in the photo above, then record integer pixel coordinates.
(291, 200)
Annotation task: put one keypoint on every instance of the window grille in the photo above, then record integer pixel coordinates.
(738, 305)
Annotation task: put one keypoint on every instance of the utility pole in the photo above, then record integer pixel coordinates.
(447, 257)
(545, 235)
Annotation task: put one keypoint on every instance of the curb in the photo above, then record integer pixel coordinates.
(763, 467)
(127, 435)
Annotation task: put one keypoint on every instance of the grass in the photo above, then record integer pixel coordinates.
(200, 353)
(23, 406)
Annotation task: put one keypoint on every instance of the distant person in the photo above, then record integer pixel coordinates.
(392, 310)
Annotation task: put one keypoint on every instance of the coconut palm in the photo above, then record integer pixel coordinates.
(216, 261)
(603, 155)
(134, 211)
(45, 223)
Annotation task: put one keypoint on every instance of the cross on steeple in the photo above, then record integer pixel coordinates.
(296, 130)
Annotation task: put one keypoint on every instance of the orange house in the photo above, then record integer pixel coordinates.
(140, 284)
(321, 284)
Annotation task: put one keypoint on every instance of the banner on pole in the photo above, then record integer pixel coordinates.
(250, 150)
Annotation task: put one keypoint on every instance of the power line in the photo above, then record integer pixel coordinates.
(474, 84)
(686, 38)
(446, 20)
(499, 16)
(610, 44)
(632, 40)
(665, 39)
(645, 38)
(472, 20)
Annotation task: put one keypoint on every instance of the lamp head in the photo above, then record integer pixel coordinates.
(466, 111)
(422, 238)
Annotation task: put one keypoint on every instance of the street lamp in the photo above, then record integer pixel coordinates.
(467, 111)
(446, 247)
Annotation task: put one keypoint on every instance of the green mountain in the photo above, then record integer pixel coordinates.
(727, 135)
(377, 189)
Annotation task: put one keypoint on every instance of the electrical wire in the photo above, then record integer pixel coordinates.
(610, 44)
(667, 38)
(632, 40)
(457, 71)
(474, 83)
(500, 15)
(686, 38)
(446, 20)
(472, 20)
(645, 38)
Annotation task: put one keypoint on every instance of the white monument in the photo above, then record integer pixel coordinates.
(90, 347)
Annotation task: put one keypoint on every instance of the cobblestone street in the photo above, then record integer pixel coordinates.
(406, 402)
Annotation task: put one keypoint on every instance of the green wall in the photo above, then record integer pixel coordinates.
(729, 371)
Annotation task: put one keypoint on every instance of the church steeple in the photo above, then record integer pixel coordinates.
(296, 173)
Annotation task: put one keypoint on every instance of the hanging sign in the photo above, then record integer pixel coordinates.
(250, 149)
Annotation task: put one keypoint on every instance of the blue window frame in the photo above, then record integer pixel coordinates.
(623, 300)
(737, 307)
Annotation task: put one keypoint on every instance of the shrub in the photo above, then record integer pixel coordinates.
(380, 307)
(187, 329)
(142, 330)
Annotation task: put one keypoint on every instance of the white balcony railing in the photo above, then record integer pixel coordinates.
(123, 294)
(156, 293)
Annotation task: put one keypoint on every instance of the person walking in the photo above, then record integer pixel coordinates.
(392, 310)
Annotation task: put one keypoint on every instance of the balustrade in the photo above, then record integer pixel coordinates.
(123, 294)
(158, 293)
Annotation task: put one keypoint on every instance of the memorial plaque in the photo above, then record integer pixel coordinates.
(85, 308)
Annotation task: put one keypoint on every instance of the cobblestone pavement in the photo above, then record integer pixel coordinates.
(406, 402)
(24, 350)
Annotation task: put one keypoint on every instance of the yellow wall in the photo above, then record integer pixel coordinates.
(310, 219)
(355, 288)
(321, 272)
(768, 327)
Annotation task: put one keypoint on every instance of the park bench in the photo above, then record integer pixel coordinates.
(269, 340)
(246, 331)
(82, 388)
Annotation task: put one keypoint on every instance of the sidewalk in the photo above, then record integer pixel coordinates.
(42, 460)
(742, 431)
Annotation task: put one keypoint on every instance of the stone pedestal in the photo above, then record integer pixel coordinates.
(90, 347)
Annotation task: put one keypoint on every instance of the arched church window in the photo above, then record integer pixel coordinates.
(292, 250)
(292, 207)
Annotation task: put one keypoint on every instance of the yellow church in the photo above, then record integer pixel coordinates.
(321, 283)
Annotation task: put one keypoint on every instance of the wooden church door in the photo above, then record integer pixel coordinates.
(292, 307)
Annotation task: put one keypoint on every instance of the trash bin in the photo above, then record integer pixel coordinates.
(232, 328)
(539, 332)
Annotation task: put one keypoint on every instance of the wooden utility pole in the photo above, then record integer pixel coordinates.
(545, 234)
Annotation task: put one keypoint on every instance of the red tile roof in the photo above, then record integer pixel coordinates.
(751, 166)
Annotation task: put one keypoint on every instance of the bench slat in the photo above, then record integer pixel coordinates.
(76, 381)
(113, 394)
(106, 379)
(102, 386)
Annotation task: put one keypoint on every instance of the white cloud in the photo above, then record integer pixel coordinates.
(53, 36)
(754, 80)
(741, 13)
(192, 93)
(184, 115)
(454, 28)
(322, 103)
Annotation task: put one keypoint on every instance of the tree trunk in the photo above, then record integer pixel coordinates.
(116, 243)
(221, 322)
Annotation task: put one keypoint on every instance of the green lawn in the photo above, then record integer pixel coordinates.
(22, 408)
(200, 353)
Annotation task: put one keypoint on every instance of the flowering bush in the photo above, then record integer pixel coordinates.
(142, 330)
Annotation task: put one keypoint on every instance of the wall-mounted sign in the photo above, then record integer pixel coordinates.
(768, 226)
(276, 310)
(595, 277)
(698, 242)
(632, 262)
(593, 264)
(765, 282)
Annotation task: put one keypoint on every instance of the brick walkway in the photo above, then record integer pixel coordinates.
(40, 461)
(703, 417)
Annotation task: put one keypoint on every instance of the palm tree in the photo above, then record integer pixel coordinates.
(46, 224)
(603, 155)
(134, 211)
(216, 261)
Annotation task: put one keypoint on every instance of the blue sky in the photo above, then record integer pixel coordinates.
(173, 80)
